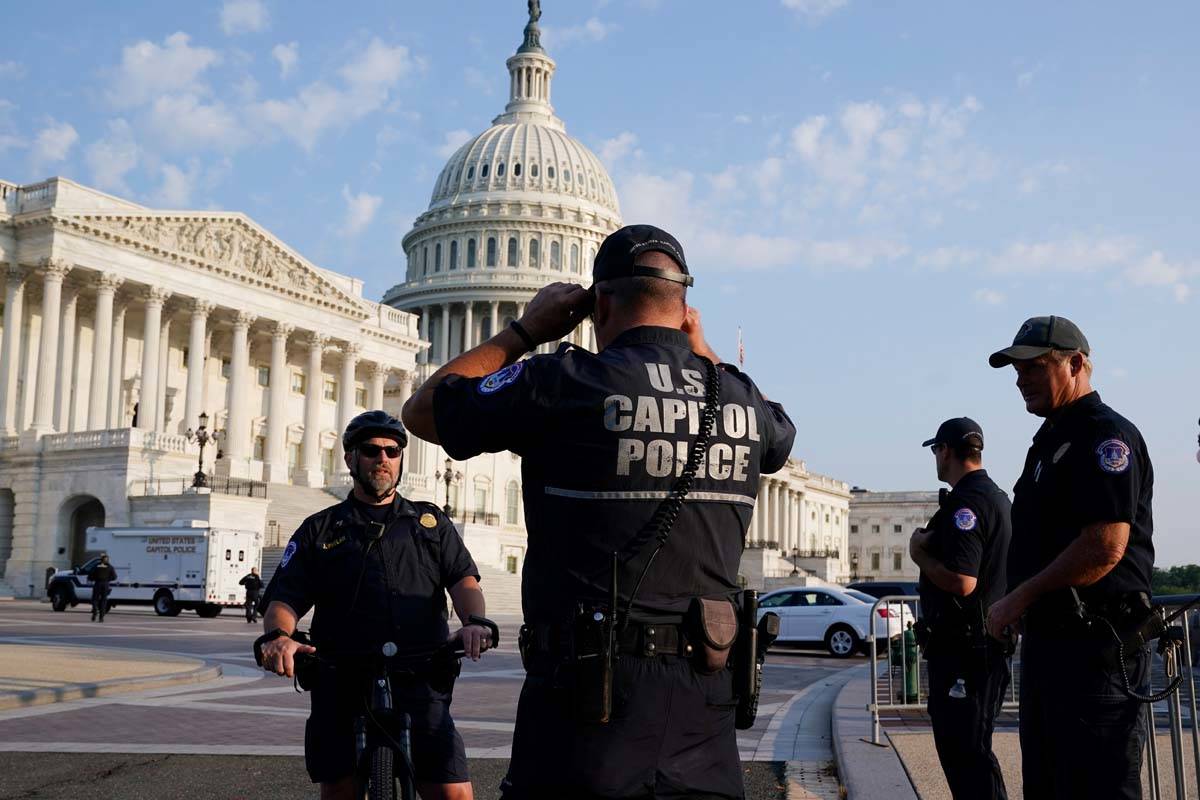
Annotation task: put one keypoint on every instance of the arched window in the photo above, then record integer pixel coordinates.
(425, 261)
(471, 254)
(483, 171)
(437, 257)
(534, 252)
(517, 170)
(566, 176)
(555, 255)
(500, 170)
(491, 251)
(512, 251)
(550, 172)
(512, 499)
(470, 172)
(533, 171)
(454, 255)
(574, 258)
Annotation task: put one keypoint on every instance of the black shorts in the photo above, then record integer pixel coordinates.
(438, 753)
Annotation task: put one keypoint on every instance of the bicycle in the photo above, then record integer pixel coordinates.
(384, 768)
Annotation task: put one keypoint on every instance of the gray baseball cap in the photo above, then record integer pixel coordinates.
(1038, 336)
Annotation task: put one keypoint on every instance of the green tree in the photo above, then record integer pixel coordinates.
(1184, 579)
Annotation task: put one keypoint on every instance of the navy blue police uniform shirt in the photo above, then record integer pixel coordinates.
(971, 532)
(404, 573)
(602, 439)
(1087, 465)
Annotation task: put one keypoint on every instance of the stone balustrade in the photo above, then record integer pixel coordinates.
(116, 437)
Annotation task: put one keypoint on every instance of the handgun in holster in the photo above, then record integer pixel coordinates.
(754, 637)
(594, 653)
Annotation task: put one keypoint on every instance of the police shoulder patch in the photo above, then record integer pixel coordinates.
(1113, 455)
(288, 552)
(501, 378)
(428, 520)
(965, 519)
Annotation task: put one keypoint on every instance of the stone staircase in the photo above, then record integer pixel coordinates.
(6, 591)
(501, 590)
(290, 506)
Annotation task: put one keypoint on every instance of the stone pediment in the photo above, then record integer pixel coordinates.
(226, 243)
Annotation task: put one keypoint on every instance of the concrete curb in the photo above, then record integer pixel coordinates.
(80, 691)
(868, 771)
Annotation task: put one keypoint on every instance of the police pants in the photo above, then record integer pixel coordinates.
(1081, 736)
(962, 727)
(251, 602)
(100, 599)
(671, 736)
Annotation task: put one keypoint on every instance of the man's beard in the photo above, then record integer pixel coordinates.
(378, 483)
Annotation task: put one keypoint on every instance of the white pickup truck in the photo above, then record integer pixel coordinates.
(185, 565)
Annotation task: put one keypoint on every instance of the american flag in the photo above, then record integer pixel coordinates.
(741, 349)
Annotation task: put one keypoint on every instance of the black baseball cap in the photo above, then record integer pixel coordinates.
(1038, 336)
(954, 432)
(618, 252)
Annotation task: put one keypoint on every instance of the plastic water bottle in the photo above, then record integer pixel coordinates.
(959, 690)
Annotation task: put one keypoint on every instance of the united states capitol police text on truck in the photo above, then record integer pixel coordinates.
(187, 565)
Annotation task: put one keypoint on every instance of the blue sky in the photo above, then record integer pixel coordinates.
(878, 193)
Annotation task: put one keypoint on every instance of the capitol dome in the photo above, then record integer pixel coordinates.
(520, 205)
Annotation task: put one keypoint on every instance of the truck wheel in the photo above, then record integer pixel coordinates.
(841, 641)
(59, 599)
(165, 605)
(208, 610)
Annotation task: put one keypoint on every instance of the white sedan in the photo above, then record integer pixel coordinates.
(840, 620)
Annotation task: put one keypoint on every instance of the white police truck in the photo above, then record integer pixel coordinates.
(184, 565)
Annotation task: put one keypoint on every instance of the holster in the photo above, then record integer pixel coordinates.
(715, 625)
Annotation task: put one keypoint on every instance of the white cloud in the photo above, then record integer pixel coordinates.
(184, 122)
(318, 107)
(12, 69)
(53, 144)
(815, 10)
(1032, 178)
(593, 30)
(244, 16)
(288, 56)
(112, 157)
(989, 297)
(742, 119)
(1025, 77)
(360, 210)
(479, 80)
(1076, 254)
(946, 257)
(616, 148)
(1154, 270)
(175, 191)
(148, 70)
(453, 140)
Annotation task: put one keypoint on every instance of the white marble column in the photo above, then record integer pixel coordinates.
(66, 361)
(346, 405)
(164, 354)
(469, 327)
(423, 334)
(54, 270)
(193, 402)
(237, 427)
(494, 317)
(309, 471)
(445, 334)
(379, 376)
(153, 299)
(102, 340)
(10, 352)
(116, 373)
(275, 457)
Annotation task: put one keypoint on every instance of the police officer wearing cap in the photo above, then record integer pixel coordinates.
(375, 568)
(1078, 574)
(605, 440)
(962, 555)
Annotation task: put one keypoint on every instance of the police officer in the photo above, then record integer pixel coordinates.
(1078, 574)
(376, 568)
(253, 584)
(604, 439)
(102, 576)
(962, 555)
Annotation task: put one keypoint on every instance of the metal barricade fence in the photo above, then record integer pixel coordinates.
(898, 671)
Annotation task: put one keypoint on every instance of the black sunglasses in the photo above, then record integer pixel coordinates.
(373, 450)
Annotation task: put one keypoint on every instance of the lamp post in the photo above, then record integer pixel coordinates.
(202, 437)
(449, 475)
(795, 559)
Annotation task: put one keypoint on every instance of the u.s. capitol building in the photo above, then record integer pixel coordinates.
(122, 324)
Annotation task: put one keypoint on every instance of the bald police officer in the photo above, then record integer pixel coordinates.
(604, 439)
(962, 554)
(1078, 574)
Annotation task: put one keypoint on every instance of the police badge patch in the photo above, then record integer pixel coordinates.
(288, 552)
(501, 378)
(1114, 456)
(428, 521)
(964, 519)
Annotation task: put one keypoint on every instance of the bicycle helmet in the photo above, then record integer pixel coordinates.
(370, 424)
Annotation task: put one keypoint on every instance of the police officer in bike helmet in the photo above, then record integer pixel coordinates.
(375, 568)
(605, 437)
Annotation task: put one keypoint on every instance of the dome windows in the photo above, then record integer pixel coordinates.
(556, 256)
(471, 172)
(512, 251)
(500, 170)
(483, 171)
(437, 257)
(574, 258)
(550, 171)
(566, 176)
(491, 251)
(534, 253)
(471, 264)
(517, 170)
(533, 170)
(453, 255)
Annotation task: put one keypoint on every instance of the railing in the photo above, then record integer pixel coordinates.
(480, 518)
(827, 552)
(242, 487)
(9, 443)
(117, 437)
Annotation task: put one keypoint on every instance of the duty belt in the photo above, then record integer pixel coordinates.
(635, 638)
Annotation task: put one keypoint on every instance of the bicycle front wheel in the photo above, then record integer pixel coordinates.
(381, 780)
